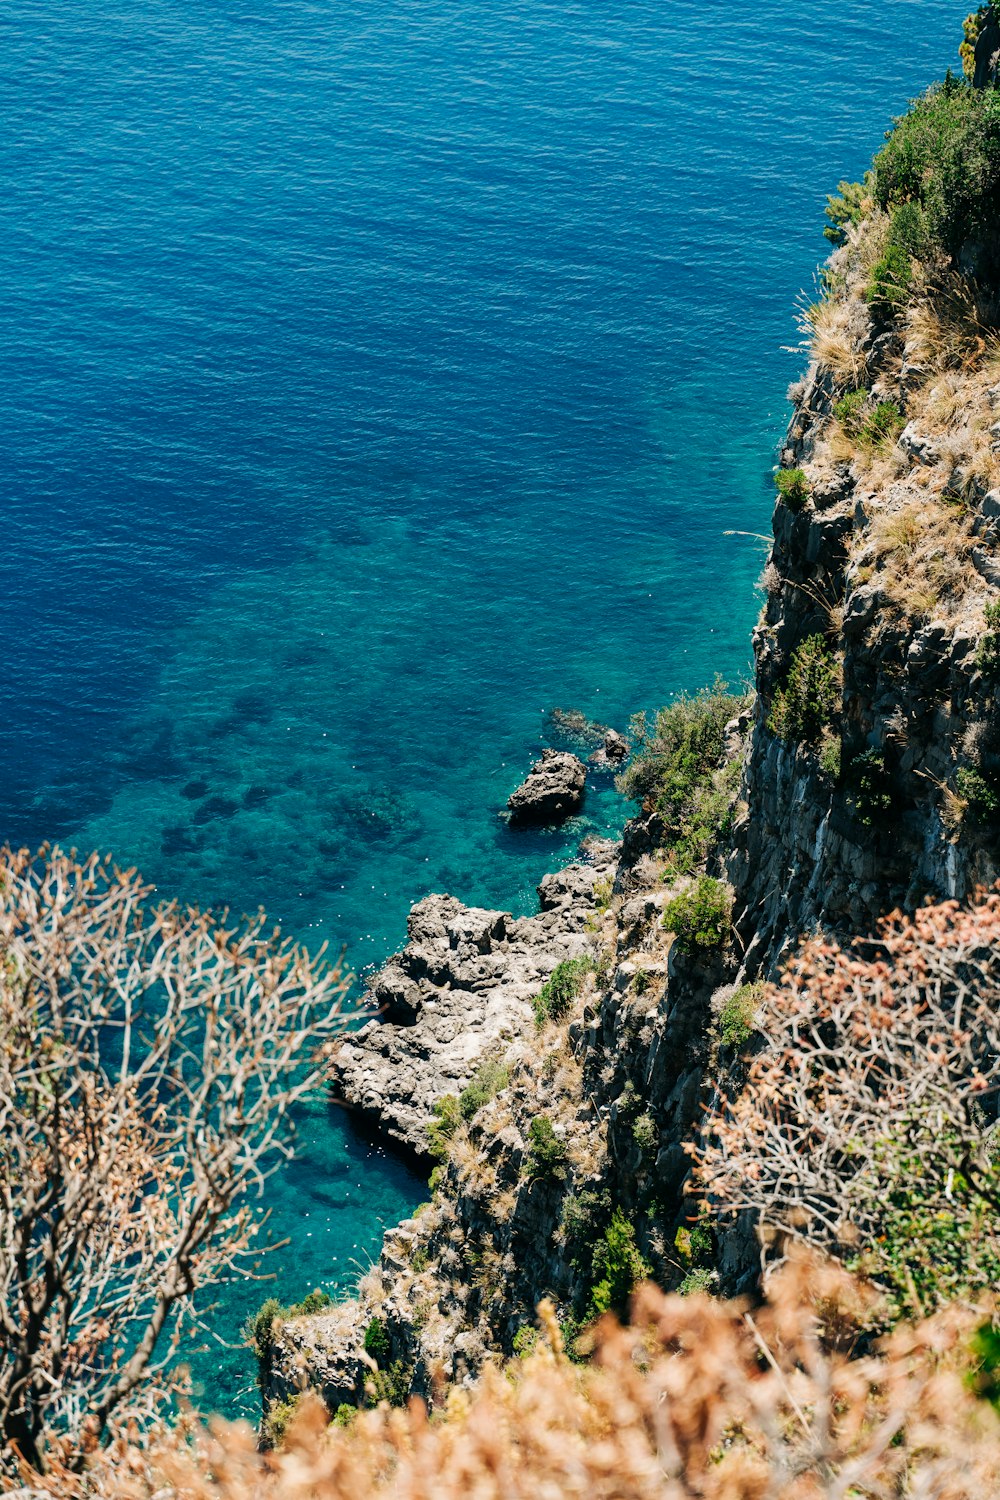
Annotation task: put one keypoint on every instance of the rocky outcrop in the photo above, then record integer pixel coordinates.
(462, 987)
(612, 754)
(551, 792)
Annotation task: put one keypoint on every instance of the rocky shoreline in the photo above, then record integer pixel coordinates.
(461, 988)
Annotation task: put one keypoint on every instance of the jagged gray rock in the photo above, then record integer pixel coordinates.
(462, 986)
(551, 792)
(614, 752)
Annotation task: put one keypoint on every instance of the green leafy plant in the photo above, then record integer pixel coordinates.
(442, 1129)
(810, 698)
(882, 426)
(890, 281)
(677, 770)
(492, 1075)
(700, 916)
(870, 787)
(700, 1280)
(848, 206)
(618, 1266)
(258, 1331)
(830, 753)
(850, 411)
(793, 487)
(556, 996)
(982, 795)
(644, 1133)
(391, 1386)
(525, 1341)
(988, 651)
(547, 1158)
(277, 1420)
(943, 158)
(736, 1018)
(376, 1341)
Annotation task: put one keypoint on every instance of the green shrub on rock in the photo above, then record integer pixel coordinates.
(701, 915)
(988, 652)
(943, 159)
(807, 703)
(736, 1018)
(850, 411)
(618, 1267)
(442, 1129)
(793, 487)
(492, 1075)
(377, 1341)
(547, 1157)
(870, 787)
(554, 999)
(889, 283)
(883, 426)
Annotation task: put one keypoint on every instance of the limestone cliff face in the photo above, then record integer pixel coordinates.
(890, 561)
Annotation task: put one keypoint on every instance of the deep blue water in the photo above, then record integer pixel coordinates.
(376, 377)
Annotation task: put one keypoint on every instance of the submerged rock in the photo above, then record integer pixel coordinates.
(551, 792)
(614, 752)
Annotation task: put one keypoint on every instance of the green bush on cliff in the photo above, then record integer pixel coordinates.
(850, 411)
(492, 1075)
(988, 652)
(547, 1157)
(793, 487)
(807, 703)
(561, 988)
(943, 160)
(982, 795)
(451, 1111)
(618, 1266)
(883, 426)
(870, 787)
(677, 769)
(890, 280)
(849, 205)
(700, 916)
(736, 1018)
(258, 1331)
(377, 1341)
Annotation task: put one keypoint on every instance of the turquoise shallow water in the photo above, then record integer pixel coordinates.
(378, 377)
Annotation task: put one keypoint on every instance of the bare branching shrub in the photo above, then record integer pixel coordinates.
(867, 1122)
(149, 1060)
(697, 1399)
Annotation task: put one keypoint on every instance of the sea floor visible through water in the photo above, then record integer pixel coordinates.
(379, 377)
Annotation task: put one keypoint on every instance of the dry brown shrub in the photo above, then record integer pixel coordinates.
(866, 1123)
(698, 1398)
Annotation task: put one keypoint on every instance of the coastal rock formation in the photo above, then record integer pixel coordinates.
(551, 792)
(613, 753)
(463, 986)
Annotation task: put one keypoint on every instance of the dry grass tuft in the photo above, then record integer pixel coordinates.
(922, 553)
(832, 331)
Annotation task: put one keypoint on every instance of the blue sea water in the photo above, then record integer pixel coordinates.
(378, 376)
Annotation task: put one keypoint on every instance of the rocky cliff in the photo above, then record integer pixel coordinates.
(866, 776)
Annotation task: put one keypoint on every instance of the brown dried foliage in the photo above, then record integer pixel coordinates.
(149, 1057)
(697, 1399)
(881, 1054)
